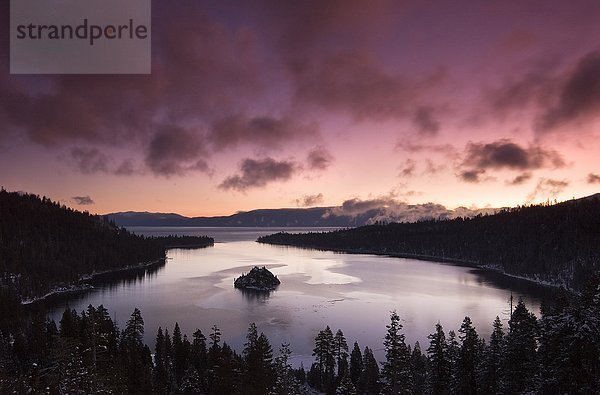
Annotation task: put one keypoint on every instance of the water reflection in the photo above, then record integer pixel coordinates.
(255, 295)
(128, 277)
(518, 285)
(352, 292)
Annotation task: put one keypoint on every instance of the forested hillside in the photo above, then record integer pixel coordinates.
(44, 244)
(556, 243)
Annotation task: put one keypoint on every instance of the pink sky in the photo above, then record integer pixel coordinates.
(272, 104)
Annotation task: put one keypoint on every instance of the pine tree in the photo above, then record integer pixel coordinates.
(214, 360)
(395, 372)
(171, 383)
(368, 382)
(251, 358)
(179, 355)
(258, 360)
(191, 384)
(438, 372)
(346, 387)
(453, 351)
(134, 330)
(519, 365)
(64, 366)
(570, 345)
(214, 353)
(160, 364)
(490, 380)
(341, 353)
(69, 324)
(286, 382)
(300, 374)
(418, 369)
(356, 364)
(313, 376)
(198, 357)
(468, 361)
(136, 357)
(324, 353)
(227, 372)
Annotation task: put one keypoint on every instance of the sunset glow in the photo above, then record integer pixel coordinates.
(274, 104)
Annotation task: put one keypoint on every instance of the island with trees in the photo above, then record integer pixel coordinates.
(258, 279)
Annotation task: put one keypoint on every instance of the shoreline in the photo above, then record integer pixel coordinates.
(142, 265)
(431, 258)
(82, 285)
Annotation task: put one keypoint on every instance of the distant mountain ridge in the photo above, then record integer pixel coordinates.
(301, 217)
(351, 213)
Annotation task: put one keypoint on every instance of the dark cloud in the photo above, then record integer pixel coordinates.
(301, 26)
(201, 71)
(447, 150)
(90, 160)
(355, 83)
(509, 155)
(408, 168)
(357, 206)
(256, 173)
(319, 158)
(263, 131)
(389, 209)
(126, 168)
(310, 200)
(557, 96)
(505, 154)
(554, 95)
(516, 95)
(593, 178)
(83, 200)
(579, 96)
(93, 161)
(473, 176)
(328, 51)
(520, 179)
(176, 151)
(425, 121)
(547, 188)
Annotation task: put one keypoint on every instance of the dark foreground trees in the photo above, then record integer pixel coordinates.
(87, 353)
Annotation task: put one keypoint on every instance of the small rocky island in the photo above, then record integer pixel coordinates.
(259, 279)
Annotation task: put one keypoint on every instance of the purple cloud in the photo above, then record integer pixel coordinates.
(505, 154)
(255, 173)
(319, 158)
(83, 200)
(310, 200)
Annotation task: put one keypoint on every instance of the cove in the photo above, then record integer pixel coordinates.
(352, 292)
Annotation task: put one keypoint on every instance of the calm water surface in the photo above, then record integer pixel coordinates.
(352, 292)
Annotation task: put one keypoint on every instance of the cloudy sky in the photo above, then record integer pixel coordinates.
(266, 104)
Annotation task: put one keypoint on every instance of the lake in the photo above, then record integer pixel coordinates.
(352, 292)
